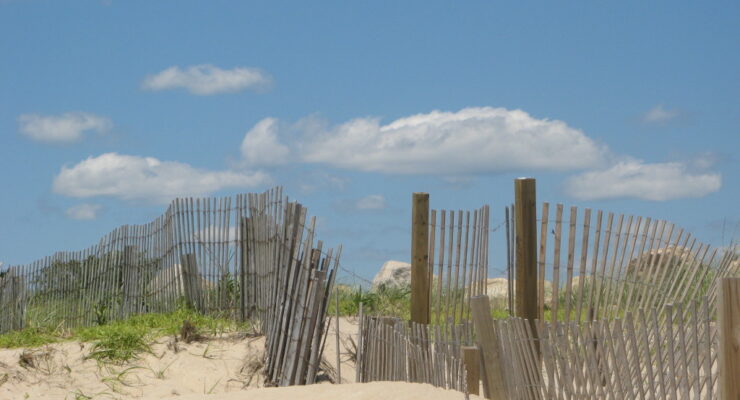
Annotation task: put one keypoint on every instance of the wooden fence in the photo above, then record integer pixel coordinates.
(635, 357)
(253, 258)
(458, 252)
(627, 309)
(391, 349)
(600, 265)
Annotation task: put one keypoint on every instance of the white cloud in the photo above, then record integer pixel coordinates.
(705, 160)
(636, 179)
(659, 115)
(83, 211)
(373, 202)
(64, 128)
(313, 181)
(261, 146)
(467, 141)
(207, 79)
(146, 178)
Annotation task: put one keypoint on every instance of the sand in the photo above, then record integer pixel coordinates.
(349, 391)
(228, 367)
(60, 371)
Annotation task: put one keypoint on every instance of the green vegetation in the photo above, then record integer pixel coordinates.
(388, 301)
(396, 302)
(120, 341)
(30, 337)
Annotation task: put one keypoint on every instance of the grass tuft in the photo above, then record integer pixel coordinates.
(119, 345)
(121, 341)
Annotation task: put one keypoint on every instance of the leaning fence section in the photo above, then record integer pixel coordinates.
(597, 265)
(635, 357)
(293, 277)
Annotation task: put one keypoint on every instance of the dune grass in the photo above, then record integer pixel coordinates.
(395, 301)
(124, 340)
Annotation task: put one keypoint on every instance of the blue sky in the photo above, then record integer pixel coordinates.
(108, 109)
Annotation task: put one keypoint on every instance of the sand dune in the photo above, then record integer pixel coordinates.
(351, 391)
(223, 368)
(60, 371)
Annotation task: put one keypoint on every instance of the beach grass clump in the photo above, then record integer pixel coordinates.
(123, 340)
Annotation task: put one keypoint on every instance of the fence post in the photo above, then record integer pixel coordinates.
(243, 254)
(494, 386)
(471, 359)
(191, 282)
(127, 277)
(420, 284)
(18, 299)
(729, 339)
(525, 227)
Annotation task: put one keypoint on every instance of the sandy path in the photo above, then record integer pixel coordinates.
(353, 391)
(347, 330)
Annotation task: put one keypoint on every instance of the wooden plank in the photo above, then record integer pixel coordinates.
(571, 260)
(458, 254)
(420, 284)
(594, 264)
(448, 279)
(582, 278)
(601, 281)
(610, 275)
(729, 338)
(636, 287)
(625, 266)
(336, 332)
(440, 270)
(541, 261)
(463, 285)
(557, 245)
(509, 264)
(432, 252)
(495, 386)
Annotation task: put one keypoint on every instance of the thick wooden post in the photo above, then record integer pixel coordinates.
(525, 215)
(471, 359)
(494, 385)
(729, 339)
(420, 283)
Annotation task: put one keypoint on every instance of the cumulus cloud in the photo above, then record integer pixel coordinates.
(373, 202)
(636, 179)
(64, 128)
(207, 79)
(659, 115)
(146, 178)
(261, 146)
(83, 211)
(472, 140)
(313, 181)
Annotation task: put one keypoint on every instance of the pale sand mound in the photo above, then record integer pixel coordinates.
(219, 368)
(60, 371)
(350, 391)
